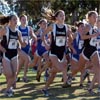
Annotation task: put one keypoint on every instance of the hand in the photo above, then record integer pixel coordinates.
(95, 35)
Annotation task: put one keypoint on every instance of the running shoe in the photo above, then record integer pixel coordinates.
(25, 79)
(9, 93)
(66, 85)
(69, 81)
(18, 79)
(45, 92)
(81, 85)
(91, 92)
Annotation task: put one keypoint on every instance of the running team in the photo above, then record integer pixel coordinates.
(56, 47)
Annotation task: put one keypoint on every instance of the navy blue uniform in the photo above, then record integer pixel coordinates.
(58, 42)
(10, 43)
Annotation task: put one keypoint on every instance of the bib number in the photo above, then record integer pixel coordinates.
(80, 44)
(12, 44)
(43, 44)
(25, 38)
(60, 41)
(93, 41)
(98, 44)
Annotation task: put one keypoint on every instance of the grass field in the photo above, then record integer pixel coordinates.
(31, 90)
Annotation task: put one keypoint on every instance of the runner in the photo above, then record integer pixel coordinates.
(89, 51)
(24, 58)
(41, 51)
(10, 35)
(59, 34)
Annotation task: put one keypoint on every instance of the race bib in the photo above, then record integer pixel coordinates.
(26, 39)
(12, 44)
(60, 41)
(43, 44)
(98, 44)
(80, 44)
(93, 41)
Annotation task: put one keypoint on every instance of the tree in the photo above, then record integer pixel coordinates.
(74, 9)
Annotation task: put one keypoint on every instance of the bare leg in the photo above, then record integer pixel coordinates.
(8, 73)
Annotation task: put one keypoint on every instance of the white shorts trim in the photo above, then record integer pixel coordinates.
(84, 56)
(74, 59)
(57, 57)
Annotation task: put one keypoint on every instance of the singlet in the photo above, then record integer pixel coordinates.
(38, 36)
(25, 35)
(9, 40)
(10, 43)
(91, 41)
(78, 43)
(58, 41)
(98, 42)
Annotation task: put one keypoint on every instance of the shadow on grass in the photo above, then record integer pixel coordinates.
(30, 91)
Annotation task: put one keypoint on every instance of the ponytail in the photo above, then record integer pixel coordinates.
(77, 24)
(49, 14)
(4, 20)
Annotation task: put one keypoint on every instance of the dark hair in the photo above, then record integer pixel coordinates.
(50, 15)
(73, 29)
(77, 24)
(5, 19)
(23, 15)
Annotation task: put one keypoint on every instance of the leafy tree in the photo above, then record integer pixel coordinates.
(74, 9)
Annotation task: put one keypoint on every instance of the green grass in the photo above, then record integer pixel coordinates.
(31, 90)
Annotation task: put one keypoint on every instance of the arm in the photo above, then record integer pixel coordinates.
(46, 43)
(23, 43)
(2, 49)
(2, 32)
(86, 30)
(70, 40)
(33, 34)
(48, 29)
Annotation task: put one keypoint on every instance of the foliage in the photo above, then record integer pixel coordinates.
(74, 9)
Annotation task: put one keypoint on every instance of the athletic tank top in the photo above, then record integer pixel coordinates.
(91, 41)
(78, 43)
(12, 40)
(25, 33)
(98, 41)
(9, 40)
(58, 42)
(40, 35)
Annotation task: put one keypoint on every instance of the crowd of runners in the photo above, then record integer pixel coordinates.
(55, 46)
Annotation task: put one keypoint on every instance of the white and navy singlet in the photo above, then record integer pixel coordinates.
(58, 42)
